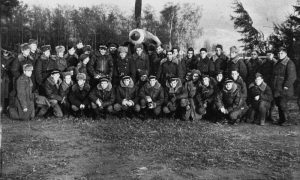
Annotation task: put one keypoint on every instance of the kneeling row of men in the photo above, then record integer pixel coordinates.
(198, 96)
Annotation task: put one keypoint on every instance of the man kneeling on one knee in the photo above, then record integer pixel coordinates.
(79, 96)
(230, 103)
(261, 98)
(152, 96)
(176, 95)
(102, 97)
(127, 97)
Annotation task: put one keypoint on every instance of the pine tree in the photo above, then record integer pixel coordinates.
(287, 34)
(252, 38)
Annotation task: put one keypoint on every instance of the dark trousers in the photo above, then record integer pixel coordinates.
(259, 109)
(282, 104)
(144, 106)
(232, 116)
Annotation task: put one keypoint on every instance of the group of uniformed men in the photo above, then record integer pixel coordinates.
(150, 82)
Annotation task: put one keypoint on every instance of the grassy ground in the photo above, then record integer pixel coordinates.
(151, 149)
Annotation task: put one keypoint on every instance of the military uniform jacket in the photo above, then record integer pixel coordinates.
(263, 91)
(141, 63)
(236, 63)
(17, 65)
(284, 75)
(25, 97)
(43, 68)
(219, 62)
(177, 93)
(79, 95)
(169, 69)
(156, 93)
(52, 90)
(206, 66)
(231, 100)
(125, 67)
(100, 65)
(129, 92)
(106, 96)
(205, 93)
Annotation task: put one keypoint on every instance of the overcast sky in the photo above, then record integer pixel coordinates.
(218, 27)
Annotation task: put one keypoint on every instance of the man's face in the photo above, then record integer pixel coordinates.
(68, 79)
(126, 82)
(104, 84)
(79, 45)
(170, 55)
(175, 52)
(86, 60)
(81, 82)
(159, 49)
(47, 53)
(55, 76)
(218, 51)
(206, 81)
(152, 82)
(188, 76)
(123, 55)
(258, 81)
(234, 75)
(26, 52)
(60, 54)
(5, 53)
(139, 51)
(254, 55)
(28, 73)
(270, 56)
(282, 55)
(102, 51)
(233, 54)
(71, 51)
(173, 84)
(143, 78)
(203, 54)
(219, 77)
(33, 47)
(228, 86)
(190, 54)
(112, 49)
(195, 77)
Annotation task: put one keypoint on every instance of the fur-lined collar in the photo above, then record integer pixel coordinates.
(215, 57)
(108, 88)
(174, 60)
(205, 59)
(235, 59)
(51, 81)
(142, 56)
(98, 54)
(233, 89)
(68, 55)
(262, 87)
(76, 87)
(284, 61)
(156, 86)
(43, 57)
(131, 83)
(65, 86)
(178, 85)
(22, 58)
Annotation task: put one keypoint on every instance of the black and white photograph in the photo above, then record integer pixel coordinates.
(150, 89)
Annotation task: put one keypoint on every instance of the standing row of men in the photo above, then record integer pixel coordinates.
(195, 85)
